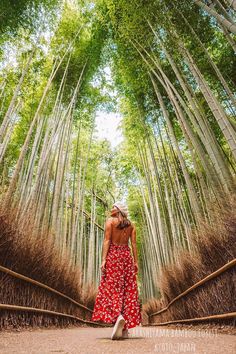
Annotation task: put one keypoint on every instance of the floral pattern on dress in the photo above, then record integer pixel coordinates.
(118, 291)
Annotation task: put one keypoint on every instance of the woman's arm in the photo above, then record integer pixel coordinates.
(134, 246)
(107, 239)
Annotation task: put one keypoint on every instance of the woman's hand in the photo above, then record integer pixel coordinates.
(136, 268)
(103, 266)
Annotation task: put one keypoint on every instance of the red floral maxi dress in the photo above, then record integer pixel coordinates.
(118, 291)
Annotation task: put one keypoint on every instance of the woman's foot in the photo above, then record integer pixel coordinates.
(125, 333)
(117, 330)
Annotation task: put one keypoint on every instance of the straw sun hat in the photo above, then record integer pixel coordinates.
(122, 207)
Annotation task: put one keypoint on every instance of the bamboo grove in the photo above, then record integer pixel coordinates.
(173, 69)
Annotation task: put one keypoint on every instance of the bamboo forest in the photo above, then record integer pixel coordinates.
(110, 100)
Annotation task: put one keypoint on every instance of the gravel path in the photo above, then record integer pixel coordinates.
(87, 340)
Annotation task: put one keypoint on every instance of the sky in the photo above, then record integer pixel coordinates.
(107, 127)
(107, 124)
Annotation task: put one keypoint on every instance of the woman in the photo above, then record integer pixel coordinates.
(117, 298)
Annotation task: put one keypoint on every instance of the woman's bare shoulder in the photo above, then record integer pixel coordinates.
(132, 224)
(109, 220)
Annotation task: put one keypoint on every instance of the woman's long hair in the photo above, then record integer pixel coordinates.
(123, 221)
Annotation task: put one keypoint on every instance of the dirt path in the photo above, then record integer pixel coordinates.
(85, 340)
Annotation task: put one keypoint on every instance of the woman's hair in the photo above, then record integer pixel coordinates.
(123, 221)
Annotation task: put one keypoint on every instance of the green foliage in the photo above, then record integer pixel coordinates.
(24, 13)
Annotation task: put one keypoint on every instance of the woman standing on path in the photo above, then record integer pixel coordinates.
(117, 298)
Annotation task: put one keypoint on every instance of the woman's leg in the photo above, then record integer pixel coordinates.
(131, 305)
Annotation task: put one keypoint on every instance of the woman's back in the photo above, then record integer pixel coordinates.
(120, 236)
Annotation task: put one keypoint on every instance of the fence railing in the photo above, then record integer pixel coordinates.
(44, 286)
(215, 274)
(196, 319)
(202, 281)
(41, 285)
(48, 312)
(58, 293)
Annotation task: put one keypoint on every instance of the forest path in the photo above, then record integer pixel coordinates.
(87, 340)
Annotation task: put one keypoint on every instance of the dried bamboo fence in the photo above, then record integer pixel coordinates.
(84, 310)
(153, 316)
(89, 311)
